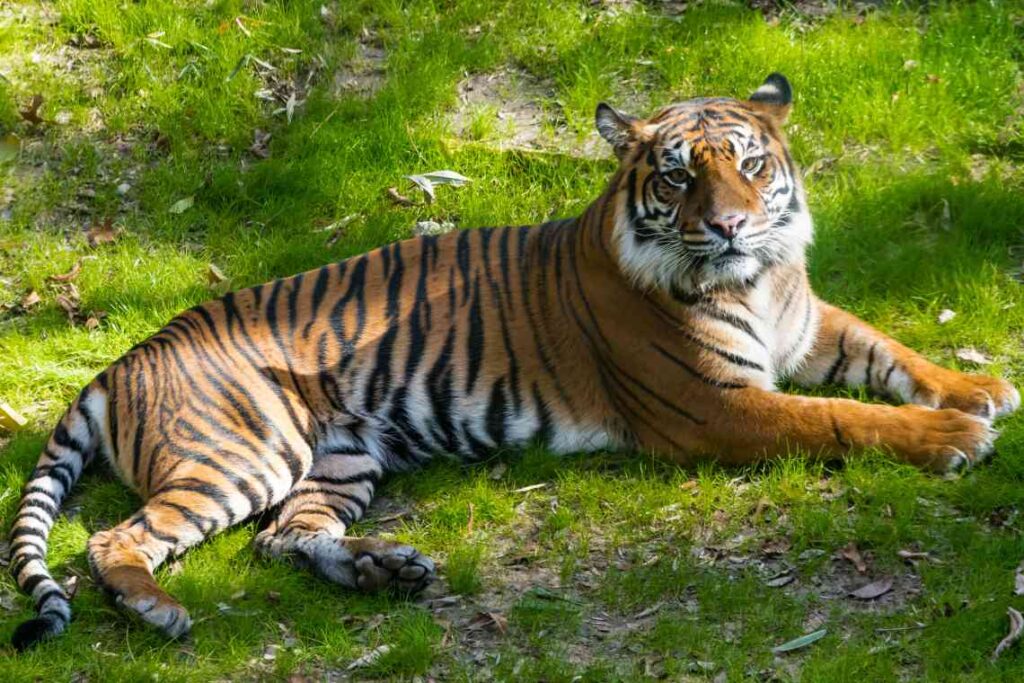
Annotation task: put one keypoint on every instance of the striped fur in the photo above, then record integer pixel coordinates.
(659, 320)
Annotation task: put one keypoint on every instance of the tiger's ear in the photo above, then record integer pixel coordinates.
(618, 129)
(774, 97)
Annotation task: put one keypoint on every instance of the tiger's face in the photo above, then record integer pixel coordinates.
(707, 195)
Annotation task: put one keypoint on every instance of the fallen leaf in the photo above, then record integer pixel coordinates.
(532, 487)
(214, 275)
(70, 586)
(801, 642)
(30, 112)
(369, 658)
(933, 78)
(910, 64)
(260, 142)
(92, 322)
(913, 555)
(69, 305)
(427, 181)
(273, 597)
(850, 553)
(1018, 580)
(488, 621)
(1016, 629)
(432, 228)
(780, 581)
(399, 199)
(11, 419)
(68, 276)
(29, 300)
(945, 315)
(972, 355)
(289, 106)
(875, 589)
(101, 233)
(183, 204)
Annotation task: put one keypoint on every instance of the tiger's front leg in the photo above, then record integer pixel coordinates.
(850, 352)
(311, 524)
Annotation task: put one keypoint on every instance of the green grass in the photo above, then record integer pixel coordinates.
(912, 121)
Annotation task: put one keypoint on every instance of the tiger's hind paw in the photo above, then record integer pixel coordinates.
(381, 565)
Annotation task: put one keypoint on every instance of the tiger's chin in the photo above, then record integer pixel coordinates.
(727, 270)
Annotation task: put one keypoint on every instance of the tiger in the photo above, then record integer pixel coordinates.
(660, 321)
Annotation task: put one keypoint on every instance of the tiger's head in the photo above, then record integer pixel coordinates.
(707, 195)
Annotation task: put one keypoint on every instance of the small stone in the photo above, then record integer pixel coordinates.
(123, 188)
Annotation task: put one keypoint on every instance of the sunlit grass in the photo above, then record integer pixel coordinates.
(911, 121)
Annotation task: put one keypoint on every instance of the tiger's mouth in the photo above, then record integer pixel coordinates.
(732, 253)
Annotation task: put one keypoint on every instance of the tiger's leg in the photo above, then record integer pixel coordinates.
(849, 351)
(195, 501)
(122, 559)
(310, 530)
(774, 424)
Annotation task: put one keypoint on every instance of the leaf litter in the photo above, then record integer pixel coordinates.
(1014, 635)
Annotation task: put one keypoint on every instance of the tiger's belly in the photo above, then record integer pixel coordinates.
(412, 429)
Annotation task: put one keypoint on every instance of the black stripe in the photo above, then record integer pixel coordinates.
(496, 413)
(694, 372)
(830, 377)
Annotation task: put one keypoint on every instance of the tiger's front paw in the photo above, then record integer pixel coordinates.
(981, 395)
(945, 440)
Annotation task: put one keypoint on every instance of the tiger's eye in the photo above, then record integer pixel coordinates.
(677, 176)
(752, 165)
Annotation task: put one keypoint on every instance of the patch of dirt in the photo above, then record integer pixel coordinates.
(511, 109)
(364, 74)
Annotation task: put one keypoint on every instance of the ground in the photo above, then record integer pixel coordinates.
(181, 149)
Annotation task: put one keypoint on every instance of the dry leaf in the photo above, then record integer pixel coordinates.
(1016, 629)
(852, 554)
(488, 621)
(69, 305)
(369, 658)
(399, 199)
(1018, 580)
(945, 315)
(427, 181)
(913, 555)
(260, 142)
(780, 581)
(11, 419)
(101, 233)
(873, 590)
(70, 586)
(30, 112)
(68, 276)
(92, 322)
(432, 228)
(29, 300)
(213, 275)
(183, 204)
(972, 355)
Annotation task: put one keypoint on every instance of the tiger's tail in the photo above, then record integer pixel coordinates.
(69, 451)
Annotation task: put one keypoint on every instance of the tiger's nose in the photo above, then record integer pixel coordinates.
(726, 225)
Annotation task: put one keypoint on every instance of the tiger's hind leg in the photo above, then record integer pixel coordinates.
(190, 505)
(122, 559)
(310, 530)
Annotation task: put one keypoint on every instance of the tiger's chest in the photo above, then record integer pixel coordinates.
(761, 336)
